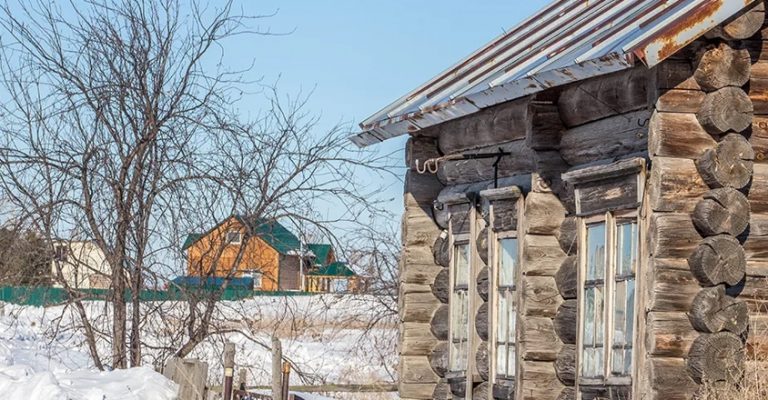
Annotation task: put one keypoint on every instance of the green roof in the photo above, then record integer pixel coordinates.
(190, 240)
(272, 232)
(321, 252)
(275, 234)
(337, 268)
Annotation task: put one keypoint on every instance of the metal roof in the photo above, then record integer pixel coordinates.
(567, 41)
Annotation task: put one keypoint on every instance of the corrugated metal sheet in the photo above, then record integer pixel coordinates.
(567, 41)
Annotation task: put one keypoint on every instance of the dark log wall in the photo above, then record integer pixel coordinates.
(702, 118)
(705, 201)
(419, 303)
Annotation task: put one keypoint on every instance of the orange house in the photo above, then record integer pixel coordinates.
(243, 246)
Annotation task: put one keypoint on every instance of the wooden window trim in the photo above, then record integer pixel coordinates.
(458, 239)
(611, 220)
(494, 239)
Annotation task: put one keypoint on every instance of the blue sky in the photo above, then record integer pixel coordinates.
(358, 56)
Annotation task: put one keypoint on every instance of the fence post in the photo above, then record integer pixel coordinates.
(277, 359)
(286, 379)
(229, 369)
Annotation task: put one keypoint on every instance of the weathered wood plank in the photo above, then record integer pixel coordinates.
(538, 341)
(605, 96)
(678, 135)
(546, 126)
(541, 256)
(503, 123)
(607, 138)
(675, 185)
(418, 307)
(721, 65)
(680, 101)
(669, 380)
(618, 193)
(676, 74)
(540, 296)
(520, 161)
(416, 391)
(416, 369)
(416, 339)
(671, 289)
(421, 149)
(539, 381)
(669, 334)
(672, 235)
(543, 213)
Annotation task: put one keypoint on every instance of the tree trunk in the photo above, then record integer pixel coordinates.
(565, 322)
(722, 211)
(716, 357)
(730, 164)
(718, 259)
(567, 278)
(727, 109)
(713, 311)
(119, 359)
(439, 325)
(722, 66)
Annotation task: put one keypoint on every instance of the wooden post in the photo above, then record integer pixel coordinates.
(286, 380)
(241, 384)
(229, 369)
(277, 359)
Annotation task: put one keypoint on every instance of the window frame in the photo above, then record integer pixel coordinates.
(612, 220)
(456, 241)
(234, 242)
(495, 261)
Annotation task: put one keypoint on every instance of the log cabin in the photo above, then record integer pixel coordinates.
(586, 206)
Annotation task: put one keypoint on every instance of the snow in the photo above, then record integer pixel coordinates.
(328, 337)
(33, 368)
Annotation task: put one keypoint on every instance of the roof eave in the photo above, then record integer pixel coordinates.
(472, 103)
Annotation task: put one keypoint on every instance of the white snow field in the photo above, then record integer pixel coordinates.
(32, 368)
(329, 338)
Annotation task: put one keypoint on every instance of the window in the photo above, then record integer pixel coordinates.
(506, 321)
(609, 265)
(256, 276)
(459, 307)
(234, 237)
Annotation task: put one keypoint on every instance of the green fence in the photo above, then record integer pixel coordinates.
(48, 296)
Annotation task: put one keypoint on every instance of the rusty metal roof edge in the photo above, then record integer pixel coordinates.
(461, 107)
(659, 29)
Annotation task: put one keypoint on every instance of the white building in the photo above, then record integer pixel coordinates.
(82, 265)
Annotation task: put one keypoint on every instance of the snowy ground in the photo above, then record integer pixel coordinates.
(330, 339)
(32, 368)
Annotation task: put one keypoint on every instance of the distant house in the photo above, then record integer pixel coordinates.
(82, 263)
(266, 251)
(335, 277)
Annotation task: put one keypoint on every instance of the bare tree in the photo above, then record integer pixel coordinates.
(122, 125)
